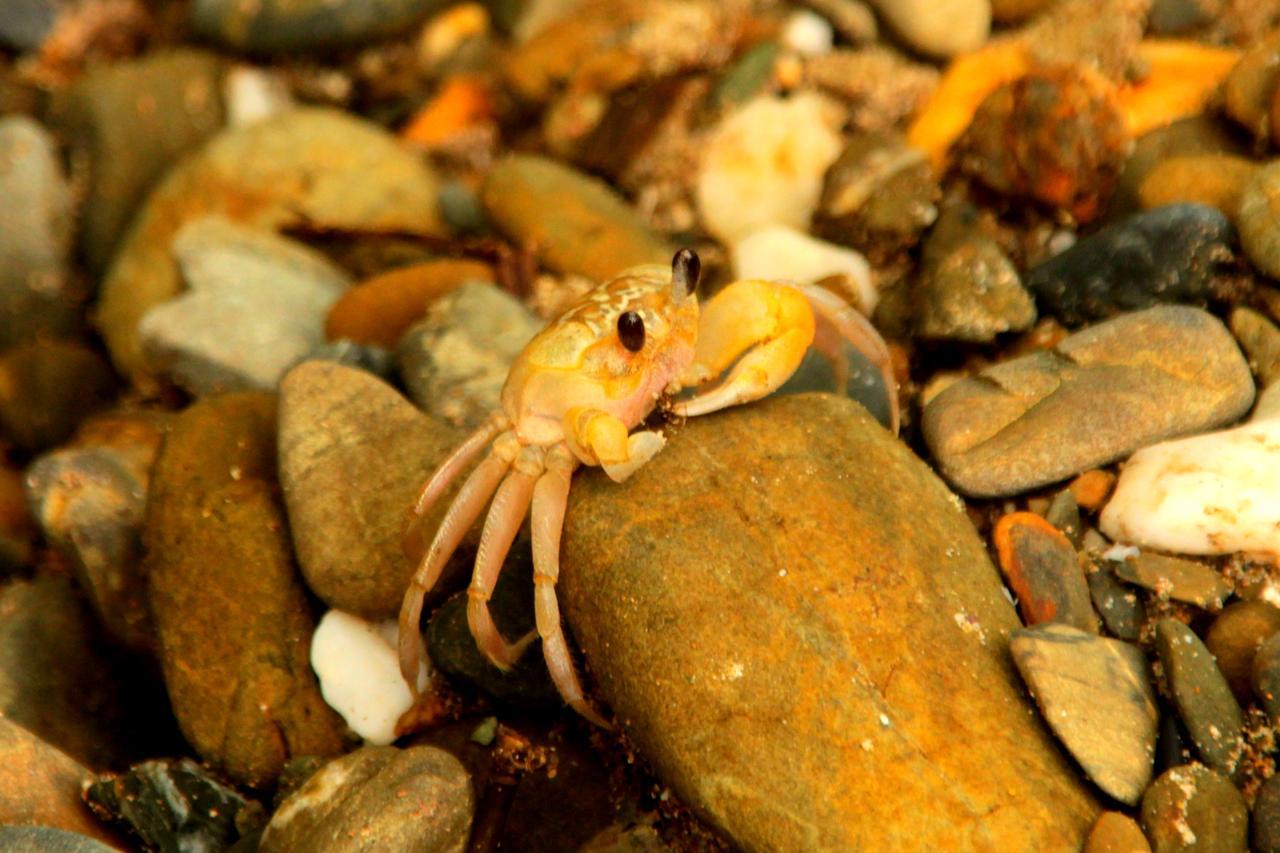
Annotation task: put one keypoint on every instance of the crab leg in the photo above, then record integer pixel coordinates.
(599, 438)
(466, 508)
(550, 498)
(455, 462)
(506, 514)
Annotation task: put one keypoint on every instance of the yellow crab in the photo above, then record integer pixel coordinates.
(574, 395)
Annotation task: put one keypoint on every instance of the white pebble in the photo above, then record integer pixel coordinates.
(359, 671)
(253, 94)
(807, 33)
(1210, 494)
(779, 253)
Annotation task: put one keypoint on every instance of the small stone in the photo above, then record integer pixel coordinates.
(1122, 611)
(1234, 638)
(780, 253)
(1194, 808)
(1201, 134)
(1094, 398)
(255, 94)
(1265, 677)
(455, 362)
(1175, 578)
(381, 309)
(1265, 832)
(1116, 832)
(1097, 697)
(378, 798)
(1260, 340)
(1258, 218)
(807, 33)
(44, 839)
(24, 24)
(1091, 488)
(1040, 566)
(1203, 699)
(578, 223)
(256, 305)
(764, 165)
(288, 26)
(1171, 254)
(1248, 91)
(47, 387)
(939, 29)
(1216, 180)
(1064, 514)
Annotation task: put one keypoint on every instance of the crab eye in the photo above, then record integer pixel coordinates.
(685, 270)
(631, 330)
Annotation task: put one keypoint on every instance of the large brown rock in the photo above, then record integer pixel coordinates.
(795, 622)
(232, 618)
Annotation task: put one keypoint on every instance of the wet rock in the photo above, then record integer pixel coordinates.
(36, 299)
(130, 121)
(171, 804)
(1097, 697)
(1215, 180)
(231, 615)
(764, 164)
(1234, 638)
(280, 26)
(256, 305)
(735, 645)
(1260, 340)
(455, 362)
(779, 253)
(1201, 694)
(353, 455)
(1116, 832)
(381, 309)
(1175, 578)
(318, 167)
(1248, 91)
(1122, 611)
(1258, 218)
(378, 798)
(1201, 134)
(1209, 494)
(1064, 514)
(1194, 808)
(1040, 566)
(1092, 399)
(1170, 254)
(938, 29)
(47, 387)
(1265, 833)
(1266, 676)
(579, 224)
(17, 528)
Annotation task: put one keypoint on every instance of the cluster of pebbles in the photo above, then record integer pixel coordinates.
(263, 265)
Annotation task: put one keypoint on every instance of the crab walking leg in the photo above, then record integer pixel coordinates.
(455, 462)
(550, 498)
(466, 508)
(769, 325)
(506, 514)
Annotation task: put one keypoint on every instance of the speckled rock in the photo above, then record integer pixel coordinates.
(47, 387)
(353, 455)
(278, 26)
(1115, 832)
(313, 166)
(1201, 694)
(1122, 611)
(1193, 808)
(939, 28)
(807, 521)
(378, 798)
(381, 309)
(231, 614)
(1094, 398)
(1265, 832)
(1234, 638)
(1176, 578)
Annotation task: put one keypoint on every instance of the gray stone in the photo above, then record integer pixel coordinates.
(278, 26)
(1176, 578)
(256, 306)
(973, 294)
(44, 839)
(1192, 808)
(1122, 611)
(1204, 701)
(25, 23)
(1096, 397)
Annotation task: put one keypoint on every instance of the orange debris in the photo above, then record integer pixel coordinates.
(463, 102)
(1181, 77)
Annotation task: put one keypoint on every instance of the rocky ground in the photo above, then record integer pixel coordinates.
(263, 265)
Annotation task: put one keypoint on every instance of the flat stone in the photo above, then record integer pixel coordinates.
(1204, 701)
(1122, 611)
(1234, 637)
(378, 798)
(287, 26)
(1116, 832)
(256, 305)
(819, 540)
(1193, 808)
(1175, 578)
(1096, 695)
(317, 167)
(1265, 824)
(1040, 566)
(230, 611)
(1094, 398)
(47, 387)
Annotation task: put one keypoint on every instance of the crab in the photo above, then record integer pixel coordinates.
(575, 395)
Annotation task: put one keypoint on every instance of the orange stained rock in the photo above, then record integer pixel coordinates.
(1181, 78)
(381, 309)
(1035, 608)
(463, 102)
(1091, 488)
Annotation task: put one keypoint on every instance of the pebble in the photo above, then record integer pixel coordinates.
(1064, 514)
(852, 19)
(297, 26)
(1201, 134)
(1260, 340)
(764, 165)
(1091, 488)
(358, 666)
(1248, 91)
(1204, 701)
(316, 167)
(807, 33)
(35, 223)
(1096, 695)
(780, 253)
(253, 94)
(47, 387)
(232, 618)
(1040, 566)
(378, 798)
(381, 309)
(1194, 808)
(353, 454)
(1265, 678)
(939, 28)
(1095, 397)
(1173, 578)
(806, 517)
(1116, 832)
(1233, 639)
(1265, 833)
(455, 362)
(578, 223)
(43, 839)
(1171, 254)
(1215, 180)
(131, 121)
(24, 24)
(1122, 611)
(1258, 218)
(1210, 494)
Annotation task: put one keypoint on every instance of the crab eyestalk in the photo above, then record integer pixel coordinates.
(686, 268)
